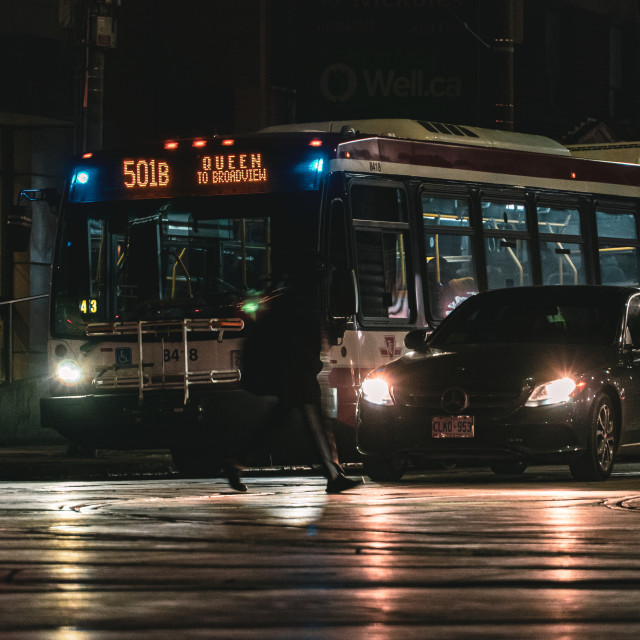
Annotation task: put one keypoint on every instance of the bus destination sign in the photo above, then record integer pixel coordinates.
(220, 169)
(235, 168)
(183, 173)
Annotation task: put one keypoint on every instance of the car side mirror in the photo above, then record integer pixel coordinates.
(416, 340)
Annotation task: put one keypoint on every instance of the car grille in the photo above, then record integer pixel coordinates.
(478, 400)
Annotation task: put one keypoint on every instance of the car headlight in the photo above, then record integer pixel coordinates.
(68, 372)
(377, 391)
(553, 392)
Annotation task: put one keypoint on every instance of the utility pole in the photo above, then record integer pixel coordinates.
(93, 23)
(503, 50)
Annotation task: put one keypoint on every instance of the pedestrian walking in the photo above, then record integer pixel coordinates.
(281, 358)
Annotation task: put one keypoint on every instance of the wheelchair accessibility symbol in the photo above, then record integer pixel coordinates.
(123, 356)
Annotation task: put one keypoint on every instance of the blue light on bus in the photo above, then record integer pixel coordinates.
(309, 171)
(80, 177)
(85, 184)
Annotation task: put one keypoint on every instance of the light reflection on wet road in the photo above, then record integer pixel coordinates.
(453, 554)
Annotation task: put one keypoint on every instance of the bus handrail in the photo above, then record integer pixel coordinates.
(572, 266)
(519, 266)
(178, 257)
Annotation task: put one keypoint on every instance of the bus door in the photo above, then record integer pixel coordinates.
(384, 280)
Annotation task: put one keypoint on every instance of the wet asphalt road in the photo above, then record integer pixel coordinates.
(447, 554)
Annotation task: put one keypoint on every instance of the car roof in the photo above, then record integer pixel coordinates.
(570, 291)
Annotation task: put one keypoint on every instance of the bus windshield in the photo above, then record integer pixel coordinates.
(173, 258)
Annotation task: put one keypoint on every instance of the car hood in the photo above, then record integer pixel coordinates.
(496, 366)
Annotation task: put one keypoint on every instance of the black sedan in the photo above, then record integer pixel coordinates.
(513, 377)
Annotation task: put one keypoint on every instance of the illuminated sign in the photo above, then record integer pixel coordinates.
(89, 306)
(230, 168)
(236, 168)
(183, 172)
(145, 173)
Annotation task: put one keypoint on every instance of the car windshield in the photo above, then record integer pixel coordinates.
(532, 316)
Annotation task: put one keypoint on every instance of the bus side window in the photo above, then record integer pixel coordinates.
(618, 247)
(382, 277)
(451, 270)
(382, 246)
(561, 245)
(506, 243)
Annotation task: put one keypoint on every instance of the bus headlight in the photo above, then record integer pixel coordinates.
(553, 392)
(68, 372)
(377, 391)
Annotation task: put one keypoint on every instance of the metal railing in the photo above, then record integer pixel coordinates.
(8, 333)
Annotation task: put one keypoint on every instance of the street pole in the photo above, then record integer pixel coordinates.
(99, 35)
(93, 100)
(503, 50)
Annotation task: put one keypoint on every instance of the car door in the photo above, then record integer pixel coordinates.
(631, 433)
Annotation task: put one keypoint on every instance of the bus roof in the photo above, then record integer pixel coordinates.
(423, 130)
(497, 166)
(295, 156)
(628, 152)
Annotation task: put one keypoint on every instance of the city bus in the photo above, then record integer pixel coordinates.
(167, 253)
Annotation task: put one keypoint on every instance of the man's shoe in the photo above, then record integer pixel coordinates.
(233, 476)
(342, 483)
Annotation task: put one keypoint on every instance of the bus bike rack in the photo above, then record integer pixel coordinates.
(131, 377)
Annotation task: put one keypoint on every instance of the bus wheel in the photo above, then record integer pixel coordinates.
(597, 461)
(381, 469)
(509, 468)
(192, 462)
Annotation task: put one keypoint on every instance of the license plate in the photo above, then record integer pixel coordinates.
(452, 426)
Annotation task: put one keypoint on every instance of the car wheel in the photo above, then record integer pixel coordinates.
(381, 469)
(597, 462)
(508, 467)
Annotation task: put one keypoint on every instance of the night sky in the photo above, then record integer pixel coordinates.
(178, 67)
(183, 68)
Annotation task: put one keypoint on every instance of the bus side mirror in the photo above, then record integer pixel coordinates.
(343, 296)
(416, 340)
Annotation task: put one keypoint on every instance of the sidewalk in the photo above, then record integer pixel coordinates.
(52, 462)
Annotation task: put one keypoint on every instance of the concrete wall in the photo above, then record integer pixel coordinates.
(20, 414)
(39, 152)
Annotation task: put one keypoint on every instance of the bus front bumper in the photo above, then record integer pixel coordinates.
(122, 421)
